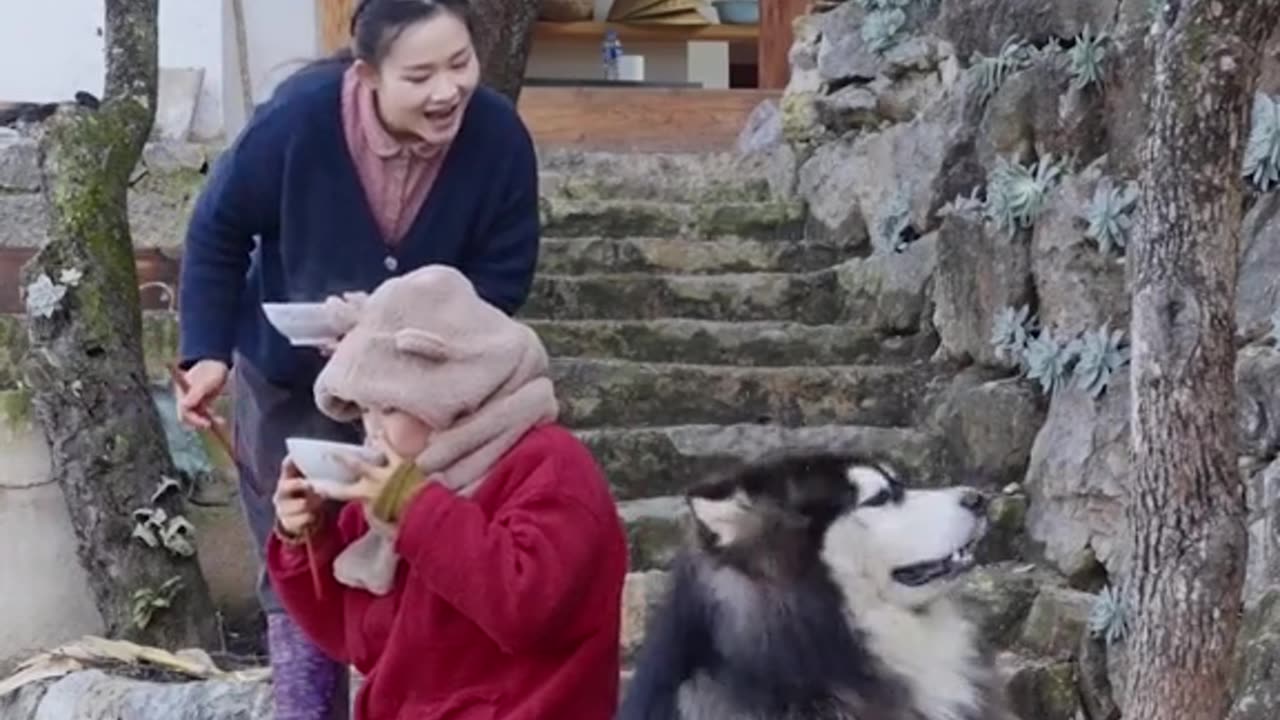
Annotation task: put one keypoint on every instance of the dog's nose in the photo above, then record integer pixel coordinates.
(974, 501)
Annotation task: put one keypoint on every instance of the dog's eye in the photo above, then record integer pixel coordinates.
(880, 498)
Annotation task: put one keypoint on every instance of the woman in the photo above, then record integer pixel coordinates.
(358, 169)
(478, 572)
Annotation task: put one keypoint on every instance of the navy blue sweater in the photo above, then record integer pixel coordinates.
(283, 217)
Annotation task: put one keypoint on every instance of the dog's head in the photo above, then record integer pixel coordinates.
(853, 516)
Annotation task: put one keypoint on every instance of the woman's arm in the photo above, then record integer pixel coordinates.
(239, 201)
(519, 576)
(288, 566)
(506, 254)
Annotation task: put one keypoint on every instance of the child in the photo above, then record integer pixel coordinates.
(483, 579)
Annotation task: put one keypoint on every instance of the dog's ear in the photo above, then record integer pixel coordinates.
(722, 510)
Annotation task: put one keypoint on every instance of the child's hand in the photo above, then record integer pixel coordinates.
(297, 505)
(385, 489)
(373, 478)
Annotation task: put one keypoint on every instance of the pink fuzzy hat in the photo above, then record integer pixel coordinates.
(426, 344)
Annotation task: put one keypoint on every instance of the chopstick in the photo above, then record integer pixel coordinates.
(220, 434)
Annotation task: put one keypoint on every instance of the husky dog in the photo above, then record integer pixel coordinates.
(816, 587)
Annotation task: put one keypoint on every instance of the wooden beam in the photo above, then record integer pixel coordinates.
(638, 119)
(776, 17)
(333, 20)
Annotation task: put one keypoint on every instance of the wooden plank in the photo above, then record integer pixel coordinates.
(333, 18)
(776, 17)
(587, 31)
(638, 119)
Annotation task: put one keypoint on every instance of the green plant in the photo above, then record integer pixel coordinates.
(1086, 58)
(895, 219)
(1099, 354)
(1262, 154)
(1016, 193)
(1109, 215)
(1109, 616)
(148, 601)
(993, 71)
(963, 203)
(1048, 360)
(1011, 330)
(884, 22)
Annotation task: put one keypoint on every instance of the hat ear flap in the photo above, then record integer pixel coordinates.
(422, 343)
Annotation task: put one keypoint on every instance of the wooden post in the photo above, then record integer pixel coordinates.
(776, 17)
(333, 20)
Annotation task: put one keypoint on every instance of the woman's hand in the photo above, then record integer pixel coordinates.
(205, 381)
(297, 505)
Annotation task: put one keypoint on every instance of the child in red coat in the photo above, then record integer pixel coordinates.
(482, 579)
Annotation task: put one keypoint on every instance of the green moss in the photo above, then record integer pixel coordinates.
(15, 409)
(13, 346)
(799, 118)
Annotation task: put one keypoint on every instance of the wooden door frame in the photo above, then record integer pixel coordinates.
(333, 23)
(776, 19)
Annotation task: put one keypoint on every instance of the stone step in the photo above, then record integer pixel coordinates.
(661, 461)
(569, 256)
(760, 343)
(656, 527)
(813, 298)
(673, 177)
(602, 393)
(565, 217)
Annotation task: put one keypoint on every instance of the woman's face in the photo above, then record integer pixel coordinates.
(405, 434)
(426, 79)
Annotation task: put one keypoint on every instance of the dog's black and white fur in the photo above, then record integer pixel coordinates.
(817, 588)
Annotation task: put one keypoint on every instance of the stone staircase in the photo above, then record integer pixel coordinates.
(693, 322)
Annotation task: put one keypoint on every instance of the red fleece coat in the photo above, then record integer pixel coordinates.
(506, 605)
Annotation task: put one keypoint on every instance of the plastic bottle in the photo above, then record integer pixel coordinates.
(611, 50)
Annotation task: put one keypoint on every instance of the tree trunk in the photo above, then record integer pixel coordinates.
(85, 364)
(504, 30)
(1187, 508)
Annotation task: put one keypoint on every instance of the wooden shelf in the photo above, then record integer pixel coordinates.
(641, 32)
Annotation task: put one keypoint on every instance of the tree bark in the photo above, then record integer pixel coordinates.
(85, 362)
(1187, 505)
(504, 30)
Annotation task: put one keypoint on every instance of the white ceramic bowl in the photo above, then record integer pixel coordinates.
(302, 323)
(319, 464)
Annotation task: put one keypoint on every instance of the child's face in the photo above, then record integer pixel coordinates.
(406, 435)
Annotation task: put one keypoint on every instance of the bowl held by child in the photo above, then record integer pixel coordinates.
(320, 462)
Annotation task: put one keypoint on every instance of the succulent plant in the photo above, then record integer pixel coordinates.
(882, 27)
(992, 71)
(1086, 58)
(1016, 193)
(1011, 330)
(895, 219)
(1109, 616)
(1048, 360)
(44, 296)
(963, 203)
(1109, 215)
(1099, 354)
(1262, 155)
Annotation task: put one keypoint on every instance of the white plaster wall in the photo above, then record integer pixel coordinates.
(50, 50)
(281, 36)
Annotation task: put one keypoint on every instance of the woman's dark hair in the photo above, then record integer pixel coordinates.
(376, 24)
